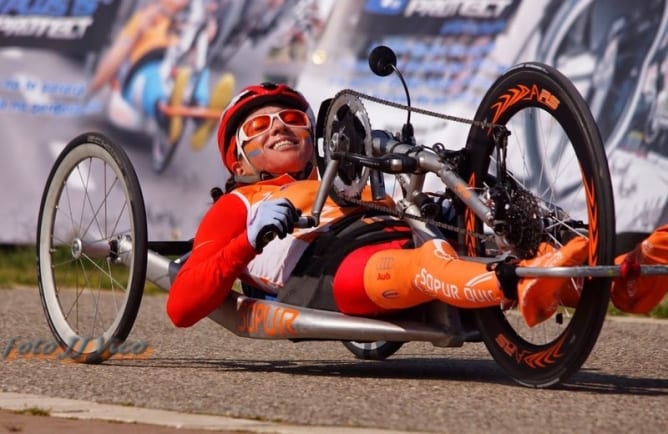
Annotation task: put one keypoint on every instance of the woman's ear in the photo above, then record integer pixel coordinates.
(238, 168)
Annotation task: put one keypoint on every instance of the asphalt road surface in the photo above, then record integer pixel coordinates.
(206, 369)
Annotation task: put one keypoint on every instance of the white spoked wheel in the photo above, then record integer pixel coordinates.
(91, 248)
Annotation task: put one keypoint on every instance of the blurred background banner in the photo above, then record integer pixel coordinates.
(450, 52)
(74, 26)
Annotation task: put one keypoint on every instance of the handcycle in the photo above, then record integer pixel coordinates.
(92, 222)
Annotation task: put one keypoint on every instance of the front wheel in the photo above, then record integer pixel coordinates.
(91, 248)
(572, 195)
(376, 350)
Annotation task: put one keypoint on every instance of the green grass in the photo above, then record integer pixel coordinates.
(17, 267)
(34, 411)
(661, 311)
(17, 270)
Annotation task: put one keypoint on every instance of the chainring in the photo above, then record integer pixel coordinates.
(347, 130)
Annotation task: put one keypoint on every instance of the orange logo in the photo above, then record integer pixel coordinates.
(470, 219)
(592, 211)
(259, 317)
(524, 93)
(384, 276)
(77, 350)
(538, 359)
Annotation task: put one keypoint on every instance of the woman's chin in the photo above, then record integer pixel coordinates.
(287, 168)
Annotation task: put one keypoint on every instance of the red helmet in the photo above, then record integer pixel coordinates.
(249, 99)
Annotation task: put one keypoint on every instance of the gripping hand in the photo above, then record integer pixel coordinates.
(273, 218)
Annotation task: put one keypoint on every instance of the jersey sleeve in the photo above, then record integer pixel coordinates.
(221, 252)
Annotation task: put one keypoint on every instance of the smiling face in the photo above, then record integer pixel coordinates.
(279, 143)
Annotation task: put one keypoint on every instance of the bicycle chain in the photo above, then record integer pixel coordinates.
(383, 209)
(386, 210)
(479, 124)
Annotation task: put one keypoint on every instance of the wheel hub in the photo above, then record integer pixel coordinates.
(77, 248)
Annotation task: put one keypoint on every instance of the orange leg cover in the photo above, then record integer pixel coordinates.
(641, 294)
(395, 279)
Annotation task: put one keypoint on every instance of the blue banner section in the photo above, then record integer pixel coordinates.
(385, 7)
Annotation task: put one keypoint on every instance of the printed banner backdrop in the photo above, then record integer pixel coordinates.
(450, 52)
(44, 102)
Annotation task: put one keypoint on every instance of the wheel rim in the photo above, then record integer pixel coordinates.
(86, 263)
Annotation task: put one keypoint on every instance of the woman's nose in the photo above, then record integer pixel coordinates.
(277, 126)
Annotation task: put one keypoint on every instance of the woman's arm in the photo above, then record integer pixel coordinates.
(220, 254)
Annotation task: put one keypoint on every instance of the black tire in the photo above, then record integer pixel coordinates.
(550, 352)
(376, 350)
(91, 248)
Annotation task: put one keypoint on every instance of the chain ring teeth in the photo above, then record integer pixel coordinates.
(347, 185)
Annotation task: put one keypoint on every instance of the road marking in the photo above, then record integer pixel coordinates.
(78, 409)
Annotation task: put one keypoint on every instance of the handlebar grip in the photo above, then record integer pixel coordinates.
(305, 221)
(268, 233)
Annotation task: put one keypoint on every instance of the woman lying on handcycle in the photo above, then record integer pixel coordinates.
(355, 263)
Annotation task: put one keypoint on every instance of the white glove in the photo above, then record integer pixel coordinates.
(273, 218)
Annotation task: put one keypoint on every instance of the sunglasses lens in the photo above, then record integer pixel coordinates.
(294, 118)
(256, 125)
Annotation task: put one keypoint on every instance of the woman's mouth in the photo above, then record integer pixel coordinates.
(282, 144)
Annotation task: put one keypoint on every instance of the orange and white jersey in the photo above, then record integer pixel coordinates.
(270, 270)
(222, 253)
